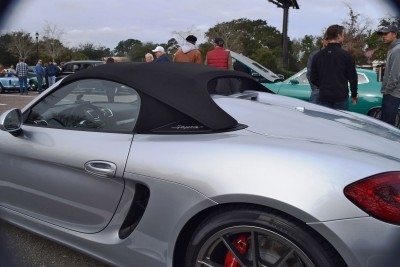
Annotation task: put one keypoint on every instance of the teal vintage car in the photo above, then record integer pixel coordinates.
(33, 84)
(297, 86)
(370, 97)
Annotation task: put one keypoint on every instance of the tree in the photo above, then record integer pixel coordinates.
(7, 56)
(254, 39)
(138, 51)
(171, 46)
(90, 51)
(20, 44)
(124, 48)
(204, 48)
(302, 48)
(356, 31)
(377, 50)
(227, 31)
(51, 40)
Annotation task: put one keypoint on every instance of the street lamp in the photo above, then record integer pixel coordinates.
(37, 45)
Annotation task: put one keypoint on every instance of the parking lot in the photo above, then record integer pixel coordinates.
(15, 100)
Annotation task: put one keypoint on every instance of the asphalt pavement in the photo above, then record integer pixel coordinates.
(22, 248)
(15, 100)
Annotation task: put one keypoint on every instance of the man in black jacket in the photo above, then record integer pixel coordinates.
(332, 70)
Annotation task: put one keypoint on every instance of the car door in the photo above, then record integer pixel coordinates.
(66, 168)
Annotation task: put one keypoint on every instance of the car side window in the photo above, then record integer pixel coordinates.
(68, 67)
(302, 79)
(94, 105)
(362, 78)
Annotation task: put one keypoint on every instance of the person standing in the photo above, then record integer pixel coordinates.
(160, 54)
(219, 57)
(314, 89)
(149, 58)
(332, 69)
(22, 74)
(46, 75)
(189, 52)
(391, 79)
(51, 71)
(40, 73)
(11, 71)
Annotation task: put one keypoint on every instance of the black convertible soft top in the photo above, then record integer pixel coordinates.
(171, 91)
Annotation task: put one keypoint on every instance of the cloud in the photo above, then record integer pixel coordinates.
(108, 22)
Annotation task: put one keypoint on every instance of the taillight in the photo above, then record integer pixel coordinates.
(378, 195)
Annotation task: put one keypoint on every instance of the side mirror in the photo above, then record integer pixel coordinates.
(11, 121)
(294, 81)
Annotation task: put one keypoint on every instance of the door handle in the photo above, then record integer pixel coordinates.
(101, 168)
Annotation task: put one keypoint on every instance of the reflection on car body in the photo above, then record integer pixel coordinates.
(199, 167)
(77, 65)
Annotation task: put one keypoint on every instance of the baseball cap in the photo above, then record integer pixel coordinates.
(390, 28)
(159, 49)
(219, 41)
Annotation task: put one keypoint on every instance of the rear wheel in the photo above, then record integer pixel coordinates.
(254, 237)
(31, 86)
(375, 113)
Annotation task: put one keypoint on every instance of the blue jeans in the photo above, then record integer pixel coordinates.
(343, 105)
(390, 106)
(23, 84)
(52, 80)
(40, 82)
(314, 96)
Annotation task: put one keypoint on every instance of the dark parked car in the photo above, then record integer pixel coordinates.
(74, 66)
(196, 166)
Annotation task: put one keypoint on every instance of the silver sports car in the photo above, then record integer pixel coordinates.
(179, 164)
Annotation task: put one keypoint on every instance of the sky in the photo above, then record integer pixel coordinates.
(105, 23)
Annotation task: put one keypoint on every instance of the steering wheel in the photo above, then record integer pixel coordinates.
(87, 115)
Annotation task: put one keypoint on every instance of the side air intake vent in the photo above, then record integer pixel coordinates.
(136, 211)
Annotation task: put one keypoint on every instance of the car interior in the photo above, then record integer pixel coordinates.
(88, 105)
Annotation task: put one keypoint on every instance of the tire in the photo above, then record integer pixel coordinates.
(1, 89)
(375, 113)
(32, 85)
(271, 238)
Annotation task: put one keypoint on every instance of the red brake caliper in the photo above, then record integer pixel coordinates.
(241, 245)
